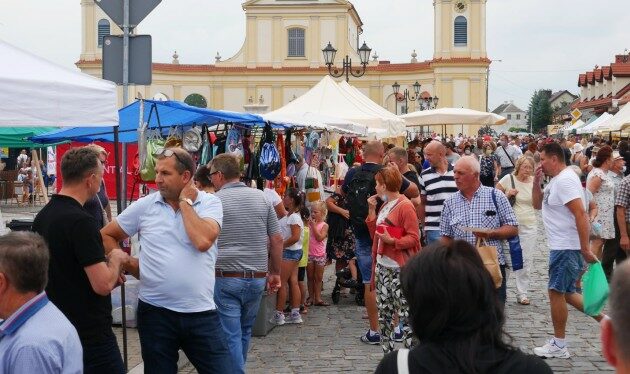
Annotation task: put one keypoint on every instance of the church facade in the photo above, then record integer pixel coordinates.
(282, 58)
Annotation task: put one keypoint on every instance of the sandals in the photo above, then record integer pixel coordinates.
(321, 303)
(523, 300)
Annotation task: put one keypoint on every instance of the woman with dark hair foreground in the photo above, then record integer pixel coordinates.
(456, 317)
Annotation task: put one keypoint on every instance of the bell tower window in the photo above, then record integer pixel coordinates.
(461, 31)
(103, 30)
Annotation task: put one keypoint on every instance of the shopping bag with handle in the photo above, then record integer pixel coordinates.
(488, 254)
(594, 289)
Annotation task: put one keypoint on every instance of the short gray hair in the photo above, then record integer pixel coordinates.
(471, 162)
(227, 164)
(399, 153)
(24, 260)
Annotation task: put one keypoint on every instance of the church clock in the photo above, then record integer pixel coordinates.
(461, 6)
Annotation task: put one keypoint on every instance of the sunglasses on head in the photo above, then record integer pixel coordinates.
(166, 152)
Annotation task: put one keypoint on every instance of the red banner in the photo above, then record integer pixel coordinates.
(110, 168)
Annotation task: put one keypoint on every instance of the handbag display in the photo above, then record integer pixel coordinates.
(490, 259)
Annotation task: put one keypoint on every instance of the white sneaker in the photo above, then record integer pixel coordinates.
(277, 319)
(551, 350)
(294, 318)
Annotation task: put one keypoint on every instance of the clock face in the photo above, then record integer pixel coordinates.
(460, 6)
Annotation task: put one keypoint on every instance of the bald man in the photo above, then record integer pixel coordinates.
(616, 329)
(478, 206)
(437, 183)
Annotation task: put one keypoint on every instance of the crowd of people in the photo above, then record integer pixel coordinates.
(409, 229)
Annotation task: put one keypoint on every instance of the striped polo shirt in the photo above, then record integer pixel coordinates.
(248, 220)
(436, 188)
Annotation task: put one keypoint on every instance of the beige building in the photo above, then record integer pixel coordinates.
(282, 58)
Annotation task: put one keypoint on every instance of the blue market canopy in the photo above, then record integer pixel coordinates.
(157, 114)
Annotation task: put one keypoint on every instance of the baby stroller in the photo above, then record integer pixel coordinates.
(344, 279)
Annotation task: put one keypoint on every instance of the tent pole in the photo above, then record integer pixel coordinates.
(119, 200)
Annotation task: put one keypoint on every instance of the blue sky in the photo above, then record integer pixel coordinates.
(542, 43)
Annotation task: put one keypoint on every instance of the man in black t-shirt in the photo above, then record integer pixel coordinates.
(80, 276)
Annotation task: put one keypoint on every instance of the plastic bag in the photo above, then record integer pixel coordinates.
(147, 170)
(594, 289)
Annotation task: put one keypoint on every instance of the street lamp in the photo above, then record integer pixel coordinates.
(425, 103)
(329, 58)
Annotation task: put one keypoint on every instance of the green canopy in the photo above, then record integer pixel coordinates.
(16, 137)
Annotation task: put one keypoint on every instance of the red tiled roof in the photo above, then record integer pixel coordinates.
(607, 72)
(620, 69)
(590, 77)
(190, 68)
(457, 60)
(598, 74)
(582, 80)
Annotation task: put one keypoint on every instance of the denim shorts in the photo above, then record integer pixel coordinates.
(292, 255)
(565, 267)
(363, 253)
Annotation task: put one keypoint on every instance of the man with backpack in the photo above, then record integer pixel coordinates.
(358, 186)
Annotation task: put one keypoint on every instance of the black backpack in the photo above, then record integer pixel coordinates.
(360, 188)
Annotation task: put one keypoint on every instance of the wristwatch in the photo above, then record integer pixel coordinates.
(190, 202)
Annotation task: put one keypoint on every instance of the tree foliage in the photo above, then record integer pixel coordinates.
(196, 100)
(540, 110)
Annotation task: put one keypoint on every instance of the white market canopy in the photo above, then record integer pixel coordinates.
(327, 98)
(452, 116)
(578, 124)
(618, 122)
(594, 125)
(35, 93)
(317, 121)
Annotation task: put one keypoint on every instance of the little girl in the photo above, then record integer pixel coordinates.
(291, 229)
(317, 252)
(304, 261)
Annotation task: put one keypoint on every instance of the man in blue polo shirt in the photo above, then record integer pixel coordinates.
(35, 337)
(178, 228)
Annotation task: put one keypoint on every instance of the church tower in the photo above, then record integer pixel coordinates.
(460, 60)
(94, 25)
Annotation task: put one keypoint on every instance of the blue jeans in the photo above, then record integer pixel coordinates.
(432, 236)
(237, 302)
(102, 357)
(163, 331)
(565, 267)
(363, 252)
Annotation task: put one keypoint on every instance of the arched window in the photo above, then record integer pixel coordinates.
(160, 97)
(461, 31)
(296, 42)
(103, 29)
(196, 100)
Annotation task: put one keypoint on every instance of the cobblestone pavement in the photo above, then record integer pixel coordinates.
(328, 340)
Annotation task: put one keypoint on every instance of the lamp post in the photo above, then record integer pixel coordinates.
(329, 58)
(425, 103)
(406, 95)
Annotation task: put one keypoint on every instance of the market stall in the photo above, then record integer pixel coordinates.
(328, 98)
(451, 116)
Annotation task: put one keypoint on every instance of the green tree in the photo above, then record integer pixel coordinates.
(540, 110)
(196, 100)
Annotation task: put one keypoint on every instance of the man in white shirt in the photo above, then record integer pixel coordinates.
(566, 222)
(507, 153)
(178, 230)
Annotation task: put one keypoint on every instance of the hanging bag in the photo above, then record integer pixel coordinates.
(488, 254)
(594, 289)
(154, 144)
(512, 199)
(311, 184)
